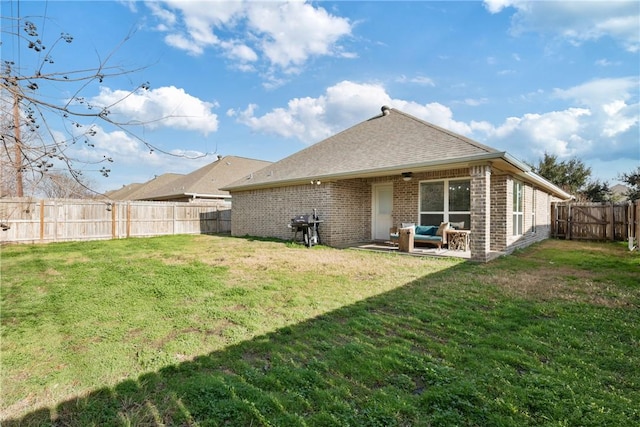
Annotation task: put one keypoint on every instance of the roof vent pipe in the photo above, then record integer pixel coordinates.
(385, 110)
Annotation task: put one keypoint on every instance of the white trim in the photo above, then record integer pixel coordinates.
(520, 204)
(534, 202)
(374, 199)
(445, 212)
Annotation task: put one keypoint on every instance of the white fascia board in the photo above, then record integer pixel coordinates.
(208, 196)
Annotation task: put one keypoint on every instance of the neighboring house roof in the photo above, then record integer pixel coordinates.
(122, 193)
(139, 191)
(207, 181)
(203, 183)
(620, 191)
(392, 142)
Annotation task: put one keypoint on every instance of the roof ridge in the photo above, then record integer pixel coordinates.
(445, 130)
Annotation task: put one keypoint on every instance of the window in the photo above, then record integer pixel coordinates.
(447, 200)
(518, 188)
(533, 211)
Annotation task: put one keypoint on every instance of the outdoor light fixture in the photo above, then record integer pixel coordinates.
(406, 176)
(316, 182)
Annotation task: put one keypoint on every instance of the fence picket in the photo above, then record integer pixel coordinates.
(596, 221)
(52, 220)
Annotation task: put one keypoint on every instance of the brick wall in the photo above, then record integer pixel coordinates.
(343, 206)
(500, 210)
(480, 212)
(345, 209)
(267, 212)
(530, 234)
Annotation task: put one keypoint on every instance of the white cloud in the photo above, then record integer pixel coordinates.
(606, 63)
(166, 17)
(167, 107)
(475, 102)
(600, 91)
(240, 52)
(292, 32)
(181, 42)
(598, 121)
(496, 6)
(342, 105)
(419, 80)
(133, 160)
(607, 99)
(130, 4)
(123, 148)
(557, 132)
(281, 34)
(575, 21)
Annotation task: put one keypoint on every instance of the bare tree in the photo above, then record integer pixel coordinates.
(30, 147)
(63, 186)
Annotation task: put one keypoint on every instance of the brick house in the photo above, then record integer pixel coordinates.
(203, 184)
(395, 168)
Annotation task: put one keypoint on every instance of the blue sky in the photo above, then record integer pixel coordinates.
(266, 79)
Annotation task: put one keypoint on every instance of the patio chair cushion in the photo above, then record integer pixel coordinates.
(443, 227)
(426, 230)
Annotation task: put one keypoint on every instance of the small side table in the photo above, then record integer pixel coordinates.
(458, 240)
(405, 239)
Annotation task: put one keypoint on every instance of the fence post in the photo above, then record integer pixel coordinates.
(625, 222)
(114, 211)
(635, 220)
(128, 219)
(569, 222)
(41, 220)
(612, 222)
(55, 221)
(173, 224)
(554, 223)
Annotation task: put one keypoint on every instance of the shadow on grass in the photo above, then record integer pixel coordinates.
(367, 363)
(424, 354)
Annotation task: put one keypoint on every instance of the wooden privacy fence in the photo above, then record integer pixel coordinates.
(57, 220)
(596, 221)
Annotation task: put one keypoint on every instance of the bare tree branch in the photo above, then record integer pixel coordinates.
(30, 141)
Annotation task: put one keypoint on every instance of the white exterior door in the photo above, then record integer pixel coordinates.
(382, 207)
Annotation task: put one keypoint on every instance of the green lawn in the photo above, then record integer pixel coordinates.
(212, 330)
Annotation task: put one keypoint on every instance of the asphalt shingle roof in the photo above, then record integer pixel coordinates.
(206, 181)
(140, 191)
(209, 179)
(390, 140)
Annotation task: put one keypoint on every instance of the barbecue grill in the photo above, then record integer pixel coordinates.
(308, 224)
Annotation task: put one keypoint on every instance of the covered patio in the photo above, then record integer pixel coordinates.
(390, 247)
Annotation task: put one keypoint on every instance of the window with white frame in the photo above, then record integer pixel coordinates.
(533, 211)
(447, 200)
(518, 212)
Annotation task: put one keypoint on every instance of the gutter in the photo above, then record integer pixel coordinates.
(208, 196)
(363, 173)
(532, 176)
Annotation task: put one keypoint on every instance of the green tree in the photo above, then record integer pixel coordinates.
(632, 179)
(570, 175)
(596, 191)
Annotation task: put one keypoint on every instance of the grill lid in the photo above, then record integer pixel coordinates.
(301, 219)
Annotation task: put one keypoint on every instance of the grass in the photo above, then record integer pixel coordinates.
(211, 330)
